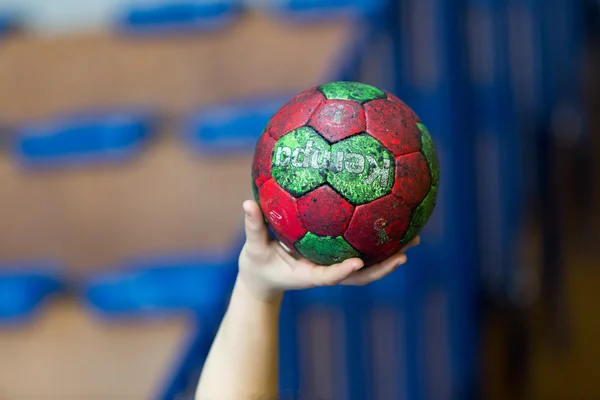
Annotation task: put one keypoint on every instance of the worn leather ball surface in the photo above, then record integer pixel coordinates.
(345, 170)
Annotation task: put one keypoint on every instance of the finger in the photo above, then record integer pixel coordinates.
(334, 274)
(256, 229)
(415, 242)
(375, 272)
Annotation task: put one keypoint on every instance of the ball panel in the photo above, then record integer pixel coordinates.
(421, 215)
(292, 161)
(281, 211)
(261, 163)
(377, 258)
(257, 199)
(324, 212)
(325, 250)
(255, 192)
(295, 113)
(430, 154)
(355, 91)
(338, 119)
(361, 169)
(412, 181)
(376, 228)
(404, 106)
(394, 126)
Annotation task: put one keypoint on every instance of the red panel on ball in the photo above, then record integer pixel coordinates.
(325, 212)
(393, 125)
(405, 106)
(295, 113)
(338, 119)
(261, 164)
(376, 228)
(281, 210)
(413, 179)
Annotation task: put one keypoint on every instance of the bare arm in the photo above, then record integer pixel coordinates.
(243, 361)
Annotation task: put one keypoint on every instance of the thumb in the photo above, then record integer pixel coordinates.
(256, 229)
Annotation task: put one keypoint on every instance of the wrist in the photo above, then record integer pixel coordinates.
(256, 291)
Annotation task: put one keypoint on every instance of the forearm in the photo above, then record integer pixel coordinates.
(243, 361)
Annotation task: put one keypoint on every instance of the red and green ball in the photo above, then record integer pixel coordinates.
(345, 170)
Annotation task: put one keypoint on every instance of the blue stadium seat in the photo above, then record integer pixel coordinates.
(231, 127)
(307, 10)
(153, 286)
(24, 287)
(157, 286)
(99, 136)
(7, 24)
(178, 16)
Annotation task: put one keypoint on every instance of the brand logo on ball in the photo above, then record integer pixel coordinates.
(379, 227)
(354, 163)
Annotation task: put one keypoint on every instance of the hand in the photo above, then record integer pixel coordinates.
(268, 270)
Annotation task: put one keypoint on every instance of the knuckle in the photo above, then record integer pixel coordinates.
(253, 252)
(252, 228)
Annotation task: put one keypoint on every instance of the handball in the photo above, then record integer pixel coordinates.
(345, 170)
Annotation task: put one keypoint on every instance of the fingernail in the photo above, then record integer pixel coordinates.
(402, 259)
(359, 265)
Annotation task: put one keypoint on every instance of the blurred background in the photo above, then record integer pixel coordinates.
(127, 129)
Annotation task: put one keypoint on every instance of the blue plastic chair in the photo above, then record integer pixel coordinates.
(83, 138)
(162, 285)
(179, 16)
(318, 10)
(231, 127)
(157, 286)
(24, 288)
(7, 24)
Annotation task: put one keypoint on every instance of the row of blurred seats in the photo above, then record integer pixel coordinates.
(176, 16)
(143, 287)
(83, 136)
(111, 135)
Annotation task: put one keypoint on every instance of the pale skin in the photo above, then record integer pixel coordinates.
(243, 361)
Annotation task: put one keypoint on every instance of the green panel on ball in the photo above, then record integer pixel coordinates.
(292, 163)
(421, 215)
(361, 169)
(325, 250)
(428, 150)
(356, 91)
